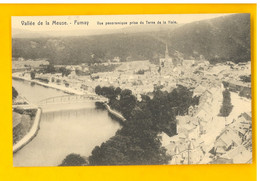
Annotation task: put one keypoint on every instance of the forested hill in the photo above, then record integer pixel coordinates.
(221, 39)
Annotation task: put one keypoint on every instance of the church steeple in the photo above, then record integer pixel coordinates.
(166, 61)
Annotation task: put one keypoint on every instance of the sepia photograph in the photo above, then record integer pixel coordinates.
(161, 89)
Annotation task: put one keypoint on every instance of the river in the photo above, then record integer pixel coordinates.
(72, 128)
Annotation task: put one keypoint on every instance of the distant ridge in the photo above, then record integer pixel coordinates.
(19, 33)
(217, 40)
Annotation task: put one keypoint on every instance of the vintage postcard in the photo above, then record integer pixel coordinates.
(131, 90)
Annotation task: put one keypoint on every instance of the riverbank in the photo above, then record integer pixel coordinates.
(31, 134)
(23, 119)
(53, 86)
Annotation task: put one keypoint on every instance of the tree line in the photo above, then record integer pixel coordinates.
(14, 93)
(227, 106)
(137, 142)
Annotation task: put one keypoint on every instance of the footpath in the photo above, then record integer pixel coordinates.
(115, 113)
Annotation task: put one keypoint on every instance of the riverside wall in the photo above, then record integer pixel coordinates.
(115, 113)
(31, 134)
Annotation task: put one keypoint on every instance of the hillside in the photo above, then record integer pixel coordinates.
(220, 39)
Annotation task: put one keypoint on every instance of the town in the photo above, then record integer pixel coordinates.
(203, 135)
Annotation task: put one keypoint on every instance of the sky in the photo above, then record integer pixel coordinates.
(91, 22)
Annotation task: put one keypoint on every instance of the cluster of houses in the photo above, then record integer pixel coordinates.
(142, 76)
(199, 75)
(20, 64)
(203, 137)
(235, 142)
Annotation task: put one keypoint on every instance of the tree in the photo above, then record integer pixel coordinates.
(73, 160)
(163, 114)
(226, 104)
(52, 79)
(110, 92)
(14, 93)
(32, 75)
(67, 84)
(118, 90)
(141, 71)
(64, 71)
(112, 152)
(127, 102)
(130, 146)
(137, 142)
(50, 69)
(98, 90)
(245, 78)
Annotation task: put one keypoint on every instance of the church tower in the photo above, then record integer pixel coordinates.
(166, 62)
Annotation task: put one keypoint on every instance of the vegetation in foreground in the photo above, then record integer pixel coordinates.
(14, 93)
(138, 143)
(74, 160)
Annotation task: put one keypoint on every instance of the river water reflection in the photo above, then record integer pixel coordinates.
(73, 128)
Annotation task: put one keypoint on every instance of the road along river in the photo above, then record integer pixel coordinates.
(64, 129)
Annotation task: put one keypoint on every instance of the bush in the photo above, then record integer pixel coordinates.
(226, 104)
(140, 71)
(245, 78)
(14, 93)
(32, 75)
(73, 160)
(137, 143)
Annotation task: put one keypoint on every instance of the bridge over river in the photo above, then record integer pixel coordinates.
(67, 99)
(68, 124)
(74, 99)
